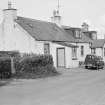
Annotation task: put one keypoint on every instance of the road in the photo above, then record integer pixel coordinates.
(72, 87)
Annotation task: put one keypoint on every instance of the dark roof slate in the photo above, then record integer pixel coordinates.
(44, 31)
(83, 39)
(66, 44)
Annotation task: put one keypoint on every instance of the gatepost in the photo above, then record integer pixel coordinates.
(13, 71)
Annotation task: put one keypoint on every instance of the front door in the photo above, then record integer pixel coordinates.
(60, 57)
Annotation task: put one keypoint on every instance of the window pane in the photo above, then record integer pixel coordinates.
(74, 52)
(46, 48)
(82, 50)
(93, 51)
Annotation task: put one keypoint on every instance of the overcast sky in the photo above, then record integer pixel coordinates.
(73, 12)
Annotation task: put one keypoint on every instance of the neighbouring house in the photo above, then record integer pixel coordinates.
(28, 35)
(82, 41)
(98, 48)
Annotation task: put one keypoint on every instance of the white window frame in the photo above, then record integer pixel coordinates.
(78, 33)
(93, 50)
(74, 53)
(46, 49)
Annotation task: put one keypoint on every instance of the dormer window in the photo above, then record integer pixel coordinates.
(94, 36)
(78, 34)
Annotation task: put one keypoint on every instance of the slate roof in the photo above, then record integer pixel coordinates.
(89, 34)
(66, 44)
(44, 31)
(99, 43)
(83, 39)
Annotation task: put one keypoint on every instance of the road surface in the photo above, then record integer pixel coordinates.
(72, 87)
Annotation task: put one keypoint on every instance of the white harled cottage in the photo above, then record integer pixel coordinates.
(39, 37)
(67, 45)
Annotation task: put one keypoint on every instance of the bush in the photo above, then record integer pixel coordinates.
(5, 67)
(81, 63)
(34, 66)
(5, 63)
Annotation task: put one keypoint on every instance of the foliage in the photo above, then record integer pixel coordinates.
(34, 66)
(5, 67)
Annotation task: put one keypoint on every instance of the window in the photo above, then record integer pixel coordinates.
(74, 53)
(94, 36)
(93, 51)
(82, 50)
(78, 34)
(104, 51)
(46, 48)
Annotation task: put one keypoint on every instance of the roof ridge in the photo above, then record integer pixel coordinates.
(34, 19)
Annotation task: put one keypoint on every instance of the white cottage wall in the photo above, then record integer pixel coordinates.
(99, 52)
(103, 52)
(27, 42)
(14, 37)
(87, 50)
(53, 51)
(70, 63)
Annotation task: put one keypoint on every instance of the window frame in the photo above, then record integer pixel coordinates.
(74, 53)
(104, 52)
(46, 49)
(93, 50)
(78, 34)
(82, 51)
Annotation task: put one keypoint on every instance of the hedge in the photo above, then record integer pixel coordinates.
(34, 66)
(5, 67)
(27, 66)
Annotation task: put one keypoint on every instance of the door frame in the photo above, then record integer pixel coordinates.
(57, 57)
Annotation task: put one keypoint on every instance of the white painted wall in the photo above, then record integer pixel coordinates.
(70, 63)
(16, 38)
(68, 55)
(99, 52)
(53, 52)
(103, 53)
(87, 50)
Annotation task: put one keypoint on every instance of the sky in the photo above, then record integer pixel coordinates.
(73, 12)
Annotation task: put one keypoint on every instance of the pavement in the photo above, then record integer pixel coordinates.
(73, 87)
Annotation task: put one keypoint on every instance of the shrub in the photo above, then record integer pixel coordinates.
(5, 67)
(81, 63)
(34, 66)
(5, 62)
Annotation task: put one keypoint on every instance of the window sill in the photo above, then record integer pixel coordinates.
(74, 58)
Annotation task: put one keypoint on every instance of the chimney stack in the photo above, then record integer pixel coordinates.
(10, 13)
(85, 27)
(56, 18)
